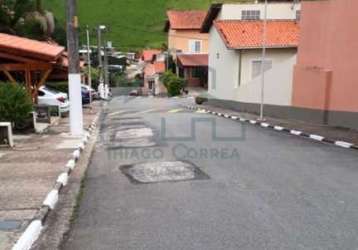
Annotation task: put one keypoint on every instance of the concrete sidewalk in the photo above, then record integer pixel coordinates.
(29, 171)
(333, 133)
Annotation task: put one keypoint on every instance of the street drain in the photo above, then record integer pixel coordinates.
(167, 171)
(8, 225)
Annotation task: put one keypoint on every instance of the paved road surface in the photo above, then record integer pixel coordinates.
(265, 190)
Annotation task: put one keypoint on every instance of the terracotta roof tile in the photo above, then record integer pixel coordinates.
(30, 48)
(187, 19)
(238, 34)
(192, 60)
(147, 55)
(151, 69)
(159, 67)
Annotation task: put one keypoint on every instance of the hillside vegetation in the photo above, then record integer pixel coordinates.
(133, 24)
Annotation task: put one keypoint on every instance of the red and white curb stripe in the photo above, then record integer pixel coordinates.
(314, 137)
(33, 230)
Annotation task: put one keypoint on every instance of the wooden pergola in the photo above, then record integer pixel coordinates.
(30, 60)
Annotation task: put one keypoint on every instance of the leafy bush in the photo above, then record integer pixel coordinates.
(95, 75)
(15, 103)
(172, 83)
(200, 100)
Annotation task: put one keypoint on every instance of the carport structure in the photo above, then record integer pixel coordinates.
(28, 61)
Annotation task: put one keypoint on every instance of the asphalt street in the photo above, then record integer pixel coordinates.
(204, 182)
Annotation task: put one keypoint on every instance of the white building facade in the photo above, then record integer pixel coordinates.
(235, 64)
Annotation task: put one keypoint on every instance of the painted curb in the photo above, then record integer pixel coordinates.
(30, 235)
(34, 229)
(295, 132)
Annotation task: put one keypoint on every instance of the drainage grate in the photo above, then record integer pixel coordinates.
(167, 171)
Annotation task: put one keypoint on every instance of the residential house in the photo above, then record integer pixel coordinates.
(325, 87)
(235, 54)
(152, 83)
(188, 46)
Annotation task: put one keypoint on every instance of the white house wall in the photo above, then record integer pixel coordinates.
(277, 56)
(278, 80)
(223, 68)
(224, 74)
(274, 10)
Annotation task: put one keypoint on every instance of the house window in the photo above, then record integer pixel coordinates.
(256, 67)
(298, 15)
(195, 46)
(250, 15)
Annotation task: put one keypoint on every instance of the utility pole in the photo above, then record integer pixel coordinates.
(99, 48)
(105, 64)
(89, 62)
(74, 76)
(102, 86)
(263, 62)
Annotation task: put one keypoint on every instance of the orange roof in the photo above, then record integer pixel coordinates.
(159, 67)
(239, 34)
(148, 54)
(187, 19)
(29, 48)
(193, 60)
(154, 68)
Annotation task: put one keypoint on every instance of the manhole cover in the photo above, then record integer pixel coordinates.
(167, 171)
(8, 225)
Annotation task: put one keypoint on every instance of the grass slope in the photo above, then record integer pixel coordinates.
(133, 24)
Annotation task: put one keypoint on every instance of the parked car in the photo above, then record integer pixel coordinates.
(94, 93)
(50, 97)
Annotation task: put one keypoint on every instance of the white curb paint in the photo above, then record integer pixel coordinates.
(278, 128)
(30, 235)
(51, 199)
(295, 132)
(343, 144)
(76, 154)
(71, 164)
(63, 179)
(317, 137)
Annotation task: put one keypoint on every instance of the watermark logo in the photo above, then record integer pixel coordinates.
(212, 123)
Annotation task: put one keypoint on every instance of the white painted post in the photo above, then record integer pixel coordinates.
(76, 116)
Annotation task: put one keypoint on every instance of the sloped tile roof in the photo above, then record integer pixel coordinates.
(29, 48)
(147, 55)
(187, 19)
(238, 34)
(151, 69)
(193, 60)
(159, 67)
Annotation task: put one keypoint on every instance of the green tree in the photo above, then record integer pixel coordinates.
(15, 103)
(172, 83)
(26, 18)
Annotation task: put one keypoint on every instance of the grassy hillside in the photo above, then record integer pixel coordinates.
(134, 24)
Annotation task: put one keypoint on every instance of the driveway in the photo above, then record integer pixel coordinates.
(166, 178)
